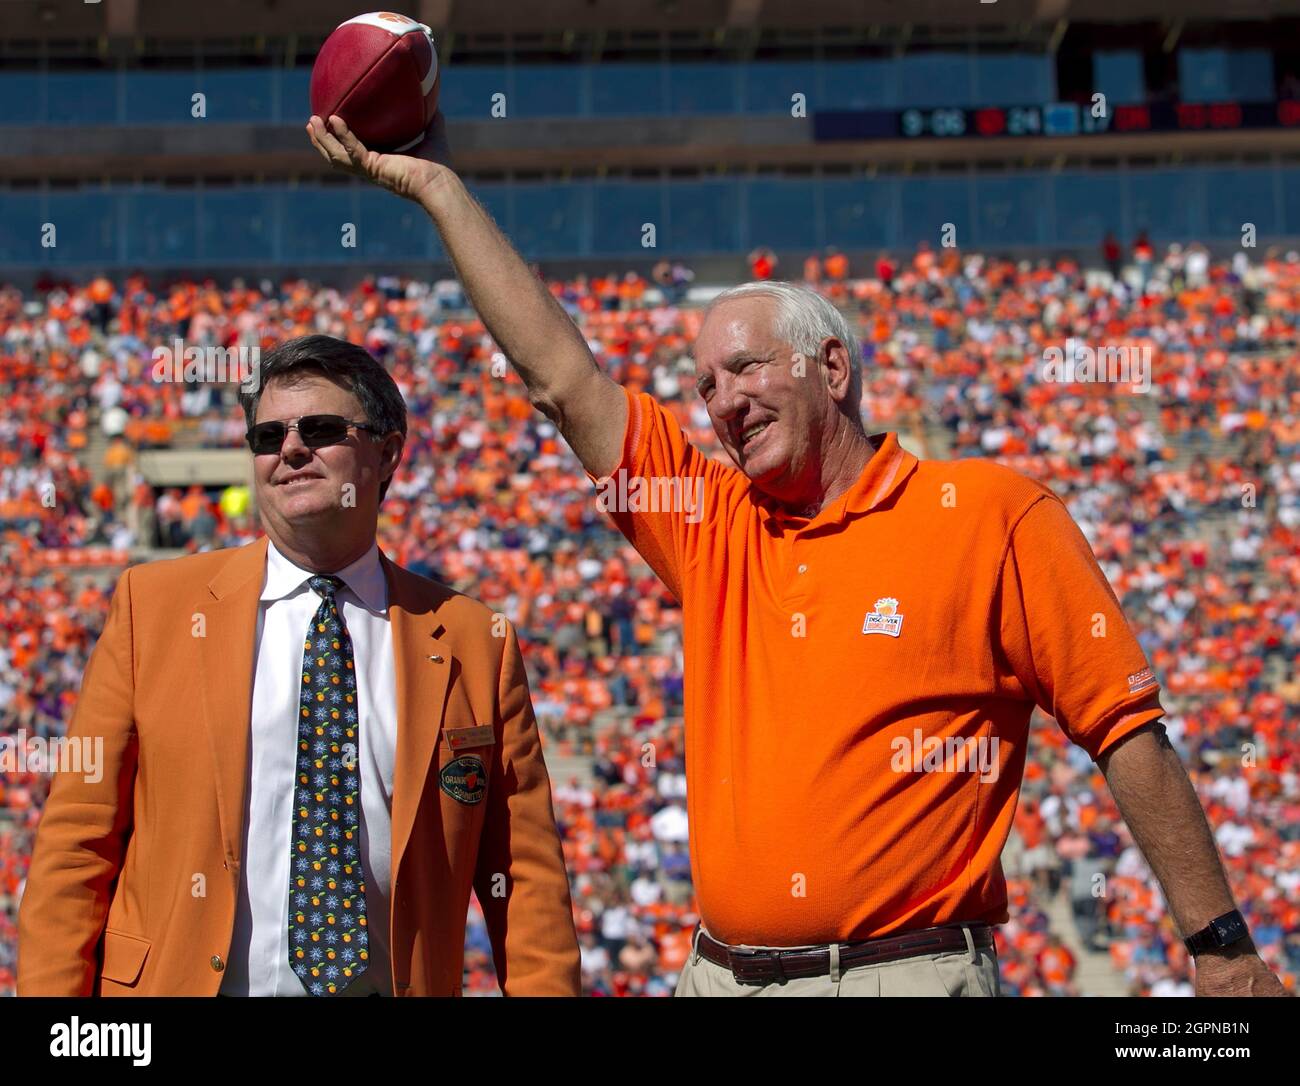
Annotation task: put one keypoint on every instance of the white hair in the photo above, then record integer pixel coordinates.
(804, 319)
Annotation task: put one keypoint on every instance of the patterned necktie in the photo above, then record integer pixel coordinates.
(328, 942)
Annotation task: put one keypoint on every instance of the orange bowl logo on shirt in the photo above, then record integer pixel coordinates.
(885, 619)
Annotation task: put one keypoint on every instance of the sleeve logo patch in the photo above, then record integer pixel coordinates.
(885, 619)
(1140, 680)
(464, 779)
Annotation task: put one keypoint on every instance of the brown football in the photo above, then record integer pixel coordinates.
(379, 72)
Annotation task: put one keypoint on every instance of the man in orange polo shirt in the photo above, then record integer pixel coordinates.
(866, 636)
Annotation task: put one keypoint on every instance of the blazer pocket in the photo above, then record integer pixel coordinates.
(124, 957)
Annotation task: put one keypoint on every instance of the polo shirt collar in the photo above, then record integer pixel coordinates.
(365, 577)
(884, 473)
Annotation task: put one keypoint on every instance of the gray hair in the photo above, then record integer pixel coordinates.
(804, 319)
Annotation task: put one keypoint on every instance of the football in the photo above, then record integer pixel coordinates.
(379, 72)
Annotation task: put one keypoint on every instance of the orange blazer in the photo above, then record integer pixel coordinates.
(133, 879)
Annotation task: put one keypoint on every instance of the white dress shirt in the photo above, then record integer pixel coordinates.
(258, 963)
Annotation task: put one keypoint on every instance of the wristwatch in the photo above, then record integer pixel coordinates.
(1219, 932)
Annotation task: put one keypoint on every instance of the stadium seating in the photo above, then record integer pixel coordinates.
(1190, 496)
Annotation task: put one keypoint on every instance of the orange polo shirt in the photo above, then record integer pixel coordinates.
(859, 685)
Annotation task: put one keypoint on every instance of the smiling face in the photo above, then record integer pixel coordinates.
(769, 413)
(300, 491)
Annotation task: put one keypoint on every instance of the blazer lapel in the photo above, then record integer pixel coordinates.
(423, 668)
(226, 674)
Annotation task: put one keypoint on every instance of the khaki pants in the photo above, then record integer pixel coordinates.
(968, 972)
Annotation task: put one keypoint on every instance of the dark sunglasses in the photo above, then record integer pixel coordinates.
(316, 431)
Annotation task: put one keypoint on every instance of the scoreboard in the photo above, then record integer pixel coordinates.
(1055, 119)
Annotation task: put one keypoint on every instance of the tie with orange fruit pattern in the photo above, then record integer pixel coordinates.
(328, 942)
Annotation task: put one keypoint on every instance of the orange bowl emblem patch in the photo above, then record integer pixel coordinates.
(464, 779)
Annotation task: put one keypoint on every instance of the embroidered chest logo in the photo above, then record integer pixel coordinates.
(464, 779)
(885, 619)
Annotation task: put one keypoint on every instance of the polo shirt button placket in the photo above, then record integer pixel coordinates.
(798, 583)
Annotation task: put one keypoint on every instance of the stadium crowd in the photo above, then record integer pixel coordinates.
(1190, 496)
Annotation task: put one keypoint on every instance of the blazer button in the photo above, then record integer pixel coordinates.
(217, 963)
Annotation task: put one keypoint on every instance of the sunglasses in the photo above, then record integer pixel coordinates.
(316, 431)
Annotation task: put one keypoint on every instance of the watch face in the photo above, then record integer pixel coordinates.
(1228, 929)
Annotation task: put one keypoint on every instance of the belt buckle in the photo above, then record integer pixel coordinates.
(746, 953)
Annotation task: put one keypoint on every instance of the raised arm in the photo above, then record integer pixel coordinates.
(537, 336)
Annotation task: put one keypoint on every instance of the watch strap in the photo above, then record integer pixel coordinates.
(1220, 932)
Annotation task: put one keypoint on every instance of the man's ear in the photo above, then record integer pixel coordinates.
(391, 455)
(839, 371)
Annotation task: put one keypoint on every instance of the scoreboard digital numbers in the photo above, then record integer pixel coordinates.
(1014, 121)
(1053, 120)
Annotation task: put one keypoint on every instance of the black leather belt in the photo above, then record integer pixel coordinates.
(753, 966)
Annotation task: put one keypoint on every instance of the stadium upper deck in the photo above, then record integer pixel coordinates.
(67, 21)
(678, 115)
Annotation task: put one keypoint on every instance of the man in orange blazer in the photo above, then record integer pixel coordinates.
(310, 754)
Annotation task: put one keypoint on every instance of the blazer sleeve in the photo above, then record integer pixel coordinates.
(86, 823)
(530, 924)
